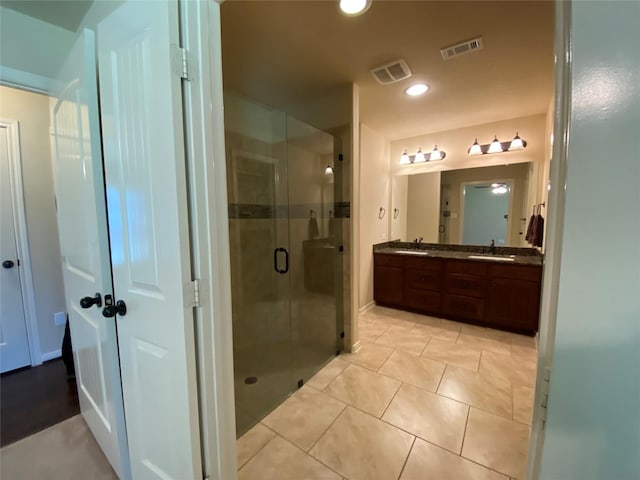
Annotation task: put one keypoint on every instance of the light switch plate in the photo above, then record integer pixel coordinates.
(60, 318)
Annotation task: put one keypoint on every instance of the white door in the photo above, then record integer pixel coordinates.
(84, 244)
(14, 343)
(141, 108)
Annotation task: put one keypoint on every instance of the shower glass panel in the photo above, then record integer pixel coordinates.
(313, 248)
(283, 254)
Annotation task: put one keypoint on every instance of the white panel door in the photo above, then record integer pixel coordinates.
(14, 343)
(84, 244)
(141, 108)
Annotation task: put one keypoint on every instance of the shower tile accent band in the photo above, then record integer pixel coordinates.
(300, 211)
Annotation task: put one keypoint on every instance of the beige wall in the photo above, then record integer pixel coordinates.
(423, 207)
(374, 193)
(399, 192)
(518, 172)
(32, 111)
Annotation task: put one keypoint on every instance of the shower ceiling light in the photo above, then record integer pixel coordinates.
(417, 89)
(354, 7)
(497, 146)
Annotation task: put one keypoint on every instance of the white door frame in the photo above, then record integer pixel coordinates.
(22, 239)
(554, 233)
(207, 177)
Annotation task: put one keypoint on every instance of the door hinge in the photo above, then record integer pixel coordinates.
(180, 61)
(193, 295)
(544, 400)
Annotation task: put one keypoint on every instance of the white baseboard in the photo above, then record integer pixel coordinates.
(364, 309)
(51, 355)
(355, 347)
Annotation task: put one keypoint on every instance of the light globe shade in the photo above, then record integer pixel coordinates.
(328, 170)
(419, 157)
(501, 190)
(516, 143)
(417, 89)
(475, 149)
(354, 7)
(435, 154)
(495, 146)
(404, 159)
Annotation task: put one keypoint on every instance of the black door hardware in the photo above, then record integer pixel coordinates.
(88, 302)
(110, 310)
(8, 264)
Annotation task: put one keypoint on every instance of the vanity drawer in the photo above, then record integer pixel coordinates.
(464, 284)
(423, 279)
(467, 266)
(464, 307)
(434, 264)
(531, 273)
(423, 300)
(388, 260)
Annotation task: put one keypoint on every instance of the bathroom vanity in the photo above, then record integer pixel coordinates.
(499, 290)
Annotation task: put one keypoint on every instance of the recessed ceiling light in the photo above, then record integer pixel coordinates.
(416, 89)
(354, 7)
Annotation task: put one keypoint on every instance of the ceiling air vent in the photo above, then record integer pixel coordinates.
(461, 48)
(391, 72)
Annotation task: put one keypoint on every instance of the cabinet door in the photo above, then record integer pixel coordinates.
(388, 285)
(514, 304)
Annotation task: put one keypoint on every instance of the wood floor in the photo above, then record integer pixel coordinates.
(32, 399)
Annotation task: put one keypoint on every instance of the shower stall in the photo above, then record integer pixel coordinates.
(286, 266)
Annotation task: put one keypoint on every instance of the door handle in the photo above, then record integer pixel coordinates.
(88, 302)
(8, 264)
(286, 260)
(111, 310)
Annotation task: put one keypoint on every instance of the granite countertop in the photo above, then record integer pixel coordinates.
(521, 256)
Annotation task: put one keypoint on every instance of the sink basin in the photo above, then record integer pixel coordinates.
(491, 258)
(413, 252)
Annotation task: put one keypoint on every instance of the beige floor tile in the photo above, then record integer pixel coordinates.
(432, 417)
(251, 442)
(446, 334)
(370, 355)
(453, 354)
(419, 371)
(497, 443)
(65, 451)
(328, 373)
(523, 403)
(443, 465)
(282, 460)
(304, 416)
(492, 394)
(361, 447)
(364, 389)
(427, 320)
(524, 353)
(404, 340)
(524, 341)
(520, 371)
(485, 343)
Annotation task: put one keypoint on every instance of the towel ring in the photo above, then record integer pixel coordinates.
(396, 212)
(381, 213)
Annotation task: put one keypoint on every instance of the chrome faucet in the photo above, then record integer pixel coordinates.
(492, 247)
(417, 241)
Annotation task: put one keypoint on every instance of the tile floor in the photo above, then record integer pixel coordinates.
(423, 398)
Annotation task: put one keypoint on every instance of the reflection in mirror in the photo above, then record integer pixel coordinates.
(468, 206)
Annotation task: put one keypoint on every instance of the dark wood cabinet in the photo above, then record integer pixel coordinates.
(495, 295)
(513, 298)
(388, 280)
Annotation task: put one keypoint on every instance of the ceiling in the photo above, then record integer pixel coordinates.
(279, 52)
(66, 14)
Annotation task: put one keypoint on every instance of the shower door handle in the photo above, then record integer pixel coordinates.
(286, 260)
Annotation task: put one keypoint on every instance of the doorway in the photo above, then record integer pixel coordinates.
(284, 256)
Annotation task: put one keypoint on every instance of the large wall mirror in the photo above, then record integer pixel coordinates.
(471, 206)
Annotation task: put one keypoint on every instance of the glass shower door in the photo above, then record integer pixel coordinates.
(259, 244)
(314, 249)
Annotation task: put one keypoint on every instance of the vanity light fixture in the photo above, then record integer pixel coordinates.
(329, 170)
(421, 157)
(417, 89)
(496, 146)
(354, 7)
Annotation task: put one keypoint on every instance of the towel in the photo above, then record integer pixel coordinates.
(531, 228)
(539, 233)
(314, 231)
